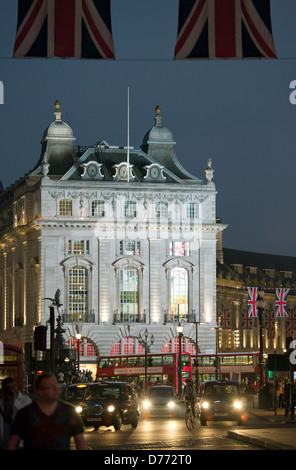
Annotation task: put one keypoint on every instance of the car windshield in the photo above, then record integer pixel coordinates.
(160, 392)
(75, 393)
(221, 389)
(103, 392)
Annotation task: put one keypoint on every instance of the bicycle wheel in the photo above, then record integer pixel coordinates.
(189, 420)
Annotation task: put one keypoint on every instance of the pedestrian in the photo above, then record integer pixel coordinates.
(48, 423)
(11, 401)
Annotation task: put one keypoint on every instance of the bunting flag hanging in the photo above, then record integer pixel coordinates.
(225, 319)
(247, 322)
(70, 28)
(269, 323)
(229, 29)
(281, 302)
(291, 322)
(252, 297)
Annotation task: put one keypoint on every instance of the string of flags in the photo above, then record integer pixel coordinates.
(207, 29)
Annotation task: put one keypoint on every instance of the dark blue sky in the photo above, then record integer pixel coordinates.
(236, 112)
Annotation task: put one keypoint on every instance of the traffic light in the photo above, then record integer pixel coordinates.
(40, 338)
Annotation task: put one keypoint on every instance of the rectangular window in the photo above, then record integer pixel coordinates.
(65, 207)
(179, 248)
(130, 247)
(130, 209)
(191, 210)
(98, 208)
(78, 247)
(161, 210)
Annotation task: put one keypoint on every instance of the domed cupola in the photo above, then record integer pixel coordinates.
(159, 142)
(58, 145)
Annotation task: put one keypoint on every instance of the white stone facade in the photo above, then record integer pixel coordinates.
(81, 230)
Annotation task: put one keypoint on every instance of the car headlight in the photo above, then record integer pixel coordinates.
(171, 404)
(146, 404)
(237, 404)
(205, 404)
(78, 409)
(111, 408)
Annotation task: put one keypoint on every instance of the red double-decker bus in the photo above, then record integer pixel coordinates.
(161, 369)
(12, 364)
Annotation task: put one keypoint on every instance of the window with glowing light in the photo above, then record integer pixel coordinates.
(129, 293)
(65, 207)
(78, 293)
(179, 294)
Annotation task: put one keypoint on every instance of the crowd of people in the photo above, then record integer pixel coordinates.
(279, 395)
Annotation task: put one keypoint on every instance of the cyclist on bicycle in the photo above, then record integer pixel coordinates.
(189, 394)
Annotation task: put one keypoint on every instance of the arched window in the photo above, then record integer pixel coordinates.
(129, 294)
(78, 293)
(179, 294)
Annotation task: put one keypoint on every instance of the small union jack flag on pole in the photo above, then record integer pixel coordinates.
(64, 28)
(291, 323)
(237, 29)
(252, 297)
(225, 319)
(269, 323)
(281, 302)
(247, 322)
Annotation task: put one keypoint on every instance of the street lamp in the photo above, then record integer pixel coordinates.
(146, 345)
(78, 337)
(180, 334)
(260, 305)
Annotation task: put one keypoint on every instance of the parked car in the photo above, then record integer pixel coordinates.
(221, 400)
(105, 404)
(160, 400)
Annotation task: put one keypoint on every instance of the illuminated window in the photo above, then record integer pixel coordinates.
(179, 294)
(130, 209)
(116, 350)
(78, 294)
(161, 209)
(66, 207)
(98, 208)
(179, 248)
(129, 346)
(78, 247)
(129, 293)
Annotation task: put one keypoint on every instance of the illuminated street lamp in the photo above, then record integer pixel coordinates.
(260, 305)
(146, 345)
(180, 334)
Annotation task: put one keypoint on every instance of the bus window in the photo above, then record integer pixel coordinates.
(168, 360)
(155, 361)
(114, 362)
(185, 360)
(228, 360)
(142, 361)
(242, 360)
(123, 361)
(103, 363)
(132, 361)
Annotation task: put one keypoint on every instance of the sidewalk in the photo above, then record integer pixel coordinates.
(279, 438)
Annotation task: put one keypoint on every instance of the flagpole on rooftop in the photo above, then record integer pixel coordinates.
(128, 135)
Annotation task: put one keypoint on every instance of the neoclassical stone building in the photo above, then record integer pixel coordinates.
(127, 235)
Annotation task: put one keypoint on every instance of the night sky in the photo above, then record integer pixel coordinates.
(236, 112)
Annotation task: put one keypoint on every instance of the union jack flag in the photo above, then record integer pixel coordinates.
(247, 322)
(67, 28)
(281, 302)
(225, 319)
(234, 29)
(291, 323)
(252, 297)
(269, 323)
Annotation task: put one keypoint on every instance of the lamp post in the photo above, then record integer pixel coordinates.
(146, 343)
(78, 337)
(180, 334)
(260, 305)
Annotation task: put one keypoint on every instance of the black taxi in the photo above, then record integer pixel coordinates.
(104, 404)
